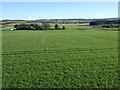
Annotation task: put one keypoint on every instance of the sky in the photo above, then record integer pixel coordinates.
(60, 0)
(56, 10)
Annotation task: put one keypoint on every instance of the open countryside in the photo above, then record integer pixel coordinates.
(60, 53)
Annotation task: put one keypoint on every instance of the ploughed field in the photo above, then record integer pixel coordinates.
(60, 59)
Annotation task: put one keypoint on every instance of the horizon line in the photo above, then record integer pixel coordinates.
(58, 18)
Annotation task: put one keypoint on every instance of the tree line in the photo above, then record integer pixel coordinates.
(107, 23)
(43, 26)
(100, 22)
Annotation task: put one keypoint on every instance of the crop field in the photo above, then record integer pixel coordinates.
(71, 58)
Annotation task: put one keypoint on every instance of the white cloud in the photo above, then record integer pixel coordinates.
(99, 17)
(29, 17)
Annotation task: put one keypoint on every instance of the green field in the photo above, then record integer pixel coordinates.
(68, 58)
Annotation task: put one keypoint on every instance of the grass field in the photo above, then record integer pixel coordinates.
(68, 58)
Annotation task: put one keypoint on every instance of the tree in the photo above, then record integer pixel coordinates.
(56, 27)
(63, 27)
(15, 26)
(45, 26)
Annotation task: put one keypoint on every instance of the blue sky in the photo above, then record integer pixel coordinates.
(47, 10)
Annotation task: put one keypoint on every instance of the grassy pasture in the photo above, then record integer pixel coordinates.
(69, 58)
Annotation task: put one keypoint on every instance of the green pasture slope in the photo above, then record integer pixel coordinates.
(68, 58)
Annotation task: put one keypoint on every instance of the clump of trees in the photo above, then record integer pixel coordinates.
(57, 27)
(23, 27)
(43, 26)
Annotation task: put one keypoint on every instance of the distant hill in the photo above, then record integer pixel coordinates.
(59, 21)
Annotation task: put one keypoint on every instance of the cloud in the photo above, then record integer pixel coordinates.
(29, 17)
(99, 17)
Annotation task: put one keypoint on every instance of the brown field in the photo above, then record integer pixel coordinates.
(76, 24)
(72, 24)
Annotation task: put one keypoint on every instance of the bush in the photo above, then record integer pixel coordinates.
(63, 27)
(51, 29)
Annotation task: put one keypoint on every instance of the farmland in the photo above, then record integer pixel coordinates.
(77, 57)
